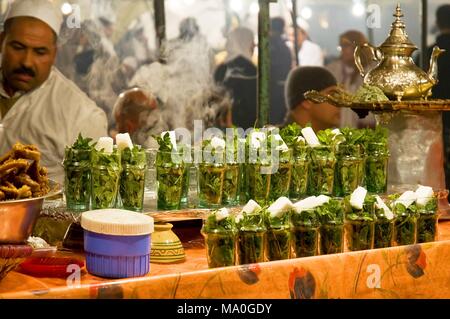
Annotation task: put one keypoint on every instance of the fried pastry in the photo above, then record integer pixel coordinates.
(21, 175)
(9, 189)
(24, 179)
(13, 165)
(24, 192)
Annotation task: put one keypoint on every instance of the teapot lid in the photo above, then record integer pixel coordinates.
(398, 37)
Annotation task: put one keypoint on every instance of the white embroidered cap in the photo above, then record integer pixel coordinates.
(43, 10)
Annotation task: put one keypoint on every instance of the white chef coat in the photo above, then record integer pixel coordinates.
(51, 117)
(310, 54)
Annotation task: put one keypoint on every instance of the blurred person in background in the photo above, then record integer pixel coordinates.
(137, 112)
(39, 105)
(124, 74)
(301, 111)
(135, 44)
(280, 65)
(216, 108)
(88, 43)
(310, 53)
(190, 39)
(106, 35)
(347, 75)
(97, 65)
(188, 29)
(184, 70)
(442, 88)
(68, 44)
(238, 75)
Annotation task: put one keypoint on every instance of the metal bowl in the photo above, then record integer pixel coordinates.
(18, 217)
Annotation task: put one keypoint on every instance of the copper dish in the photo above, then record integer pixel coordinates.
(18, 217)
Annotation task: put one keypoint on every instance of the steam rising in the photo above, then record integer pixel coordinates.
(84, 58)
(184, 84)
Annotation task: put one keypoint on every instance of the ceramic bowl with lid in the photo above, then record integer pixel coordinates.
(166, 246)
(117, 242)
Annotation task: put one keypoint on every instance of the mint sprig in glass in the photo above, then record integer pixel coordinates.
(281, 160)
(304, 227)
(77, 174)
(106, 171)
(405, 224)
(233, 171)
(132, 181)
(331, 216)
(427, 221)
(251, 238)
(220, 234)
(170, 173)
(359, 224)
(278, 235)
(350, 162)
(377, 159)
(211, 175)
(292, 136)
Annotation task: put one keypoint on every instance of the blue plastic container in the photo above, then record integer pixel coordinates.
(117, 243)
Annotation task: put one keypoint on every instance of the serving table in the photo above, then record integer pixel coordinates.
(416, 271)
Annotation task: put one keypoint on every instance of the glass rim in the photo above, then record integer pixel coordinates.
(333, 223)
(172, 151)
(321, 146)
(214, 164)
(348, 146)
(217, 231)
(117, 168)
(115, 152)
(84, 163)
(70, 148)
(360, 219)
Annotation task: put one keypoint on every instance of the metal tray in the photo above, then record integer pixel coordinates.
(341, 98)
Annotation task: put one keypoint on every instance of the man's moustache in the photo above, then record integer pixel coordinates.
(25, 71)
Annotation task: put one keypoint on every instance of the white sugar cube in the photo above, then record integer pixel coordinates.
(322, 199)
(279, 207)
(424, 194)
(123, 141)
(222, 214)
(381, 205)
(357, 198)
(310, 136)
(105, 143)
(305, 204)
(407, 198)
(251, 207)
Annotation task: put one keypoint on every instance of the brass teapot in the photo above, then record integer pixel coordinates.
(396, 74)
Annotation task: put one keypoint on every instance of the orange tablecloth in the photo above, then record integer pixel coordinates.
(418, 271)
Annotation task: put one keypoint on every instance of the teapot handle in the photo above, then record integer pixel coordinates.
(377, 55)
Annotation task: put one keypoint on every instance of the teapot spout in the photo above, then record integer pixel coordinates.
(433, 70)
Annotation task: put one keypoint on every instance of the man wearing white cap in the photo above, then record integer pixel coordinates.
(38, 104)
(310, 53)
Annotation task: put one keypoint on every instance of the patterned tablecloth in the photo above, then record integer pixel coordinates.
(418, 271)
